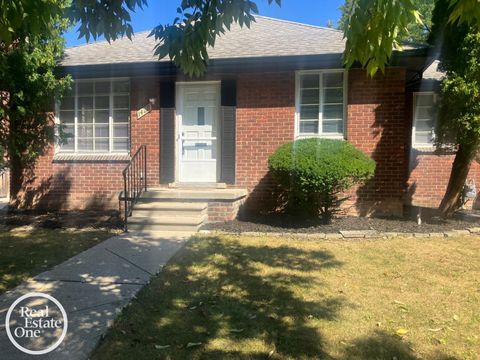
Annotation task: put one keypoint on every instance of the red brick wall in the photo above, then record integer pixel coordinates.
(376, 124)
(62, 184)
(146, 130)
(428, 172)
(265, 120)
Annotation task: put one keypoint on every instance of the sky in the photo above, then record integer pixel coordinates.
(313, 12)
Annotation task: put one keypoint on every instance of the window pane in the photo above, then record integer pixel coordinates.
(425, 100)
(121, 86)
(101, 116)
(67, 117)
(425, 113)
(309, 112)
(333, 80)
(85, 130)
(101, 145)
(424, 125)
(68, 140)
(84, 88)
(68, 103)
(310, 97)
(120, 130)
(120, 144)
(308, 127)
(423, 137)
(102, 87)
(85, 116)
(121, 102)
(121, 116)
(333, 127)
(102, 131)
(333, 96)
(85, 103)
(309, 81)
(333, 112)
(68, 145)
(85, 144)
(102, 102)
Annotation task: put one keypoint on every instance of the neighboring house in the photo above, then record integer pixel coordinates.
(267, 85)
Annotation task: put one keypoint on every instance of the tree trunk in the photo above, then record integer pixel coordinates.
(16, 178)
(458, 176)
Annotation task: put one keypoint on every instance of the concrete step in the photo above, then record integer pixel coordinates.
(166, 223)
(192, 195)
(168, 205)
(169, 208)
(154, 212)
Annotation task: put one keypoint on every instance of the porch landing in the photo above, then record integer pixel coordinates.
(184, 209)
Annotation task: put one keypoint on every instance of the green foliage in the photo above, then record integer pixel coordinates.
(314, 173)
(415, 32)
(110, 18)
(374, 28)
(21, 19)
(198, 24)
(459, 113)
(28, 86)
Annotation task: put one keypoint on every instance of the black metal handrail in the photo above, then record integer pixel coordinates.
(134, 181)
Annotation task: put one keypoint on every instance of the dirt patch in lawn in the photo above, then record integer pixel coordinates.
(287, 224)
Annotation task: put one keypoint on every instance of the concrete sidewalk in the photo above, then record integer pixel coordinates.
(93, 287)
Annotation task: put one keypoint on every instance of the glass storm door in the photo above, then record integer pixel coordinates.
(199, 114)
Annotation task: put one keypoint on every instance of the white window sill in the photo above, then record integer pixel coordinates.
(321, 136)
(423, 146)
(64, 156)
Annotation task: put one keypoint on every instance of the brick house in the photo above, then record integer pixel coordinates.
(265, 86)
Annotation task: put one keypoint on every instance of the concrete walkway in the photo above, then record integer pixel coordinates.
(93, 287)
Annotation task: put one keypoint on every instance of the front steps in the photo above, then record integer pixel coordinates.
(167, 209)
(166, 215)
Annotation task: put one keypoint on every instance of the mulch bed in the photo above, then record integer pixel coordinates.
(287, 224)
(58, 220)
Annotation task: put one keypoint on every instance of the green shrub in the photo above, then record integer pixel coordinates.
(314, 173)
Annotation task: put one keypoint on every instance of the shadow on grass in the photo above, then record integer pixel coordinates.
(382, 345)
(238, 301)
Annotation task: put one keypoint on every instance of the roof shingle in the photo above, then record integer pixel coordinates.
(266, 37)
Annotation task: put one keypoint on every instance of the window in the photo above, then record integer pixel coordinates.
(321, 103)
(96, 117)
(424, 119)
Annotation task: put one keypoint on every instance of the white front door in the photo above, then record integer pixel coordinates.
(198, 111)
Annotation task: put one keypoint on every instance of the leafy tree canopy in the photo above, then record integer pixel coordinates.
(416, 32)
(374, 28)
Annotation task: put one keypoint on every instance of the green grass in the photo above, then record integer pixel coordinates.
(26, 253)
(265, 297)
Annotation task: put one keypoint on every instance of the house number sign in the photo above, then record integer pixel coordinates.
(144, 111)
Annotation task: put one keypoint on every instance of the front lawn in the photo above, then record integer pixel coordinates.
(27, 252)
(228, 297)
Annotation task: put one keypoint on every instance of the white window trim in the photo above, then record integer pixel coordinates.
(419, 145)
(57, 148)
(297, 134)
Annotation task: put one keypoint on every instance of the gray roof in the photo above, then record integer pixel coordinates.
(266, 37)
